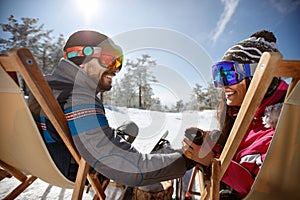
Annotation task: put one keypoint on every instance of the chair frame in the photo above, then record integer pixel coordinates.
(22, 61)
(270, 65)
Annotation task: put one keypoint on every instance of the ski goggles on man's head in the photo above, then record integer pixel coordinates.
(228, 73)
(110, 58)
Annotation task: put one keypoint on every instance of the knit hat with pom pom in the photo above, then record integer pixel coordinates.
(251, 49)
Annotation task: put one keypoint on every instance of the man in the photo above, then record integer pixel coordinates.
(91, 60)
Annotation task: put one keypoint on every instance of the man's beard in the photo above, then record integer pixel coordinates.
(102, 86)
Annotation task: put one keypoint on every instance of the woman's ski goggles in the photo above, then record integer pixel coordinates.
(228, 73)
(110, 58)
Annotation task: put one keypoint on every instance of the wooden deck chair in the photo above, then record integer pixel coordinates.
(22, 150)
(280, 174)
(201, 180)
(278, 178)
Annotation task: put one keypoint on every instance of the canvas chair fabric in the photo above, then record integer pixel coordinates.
(279, 176)
(21, 144)
(22, 150)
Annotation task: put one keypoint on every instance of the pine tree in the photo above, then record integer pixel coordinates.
(140, 77)
(204, 98)
(28, 34)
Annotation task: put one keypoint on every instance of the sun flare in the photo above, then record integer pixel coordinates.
(87, 7)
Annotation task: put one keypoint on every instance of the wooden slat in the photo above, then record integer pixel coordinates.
(4, 174)
(288, 68)
(80, 178)
(96, 184)
(13, 171)
(18, 190)
(215, 180)
(8, 63)
(192, 181)
(205, 194)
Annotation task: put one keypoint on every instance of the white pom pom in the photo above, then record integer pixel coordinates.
(271, 115)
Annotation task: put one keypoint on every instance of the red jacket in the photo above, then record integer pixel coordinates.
(252, 151)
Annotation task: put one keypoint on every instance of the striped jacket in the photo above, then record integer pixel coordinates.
(95, 140)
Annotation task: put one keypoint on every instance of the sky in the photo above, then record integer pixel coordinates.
(184, 37)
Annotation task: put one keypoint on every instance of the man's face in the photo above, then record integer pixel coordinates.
(101, 75)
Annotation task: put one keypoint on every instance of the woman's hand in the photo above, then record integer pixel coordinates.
(202, 154)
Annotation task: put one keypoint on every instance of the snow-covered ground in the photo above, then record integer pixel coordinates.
(152, 125)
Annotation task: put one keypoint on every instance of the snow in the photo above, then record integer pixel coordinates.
(152, 126)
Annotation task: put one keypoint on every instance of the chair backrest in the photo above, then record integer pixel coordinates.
(279, 176)
(23, 62)
(21, 144)
(270, 65)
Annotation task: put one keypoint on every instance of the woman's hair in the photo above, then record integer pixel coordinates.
(226, 114)
(224, 119)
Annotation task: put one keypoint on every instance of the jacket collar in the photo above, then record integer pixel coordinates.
(273, 99)
(279, 93)
(69, 73)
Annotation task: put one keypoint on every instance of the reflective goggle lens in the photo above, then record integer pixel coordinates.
(108, 57)
(228, 73)
(110, 61)
(224, 74)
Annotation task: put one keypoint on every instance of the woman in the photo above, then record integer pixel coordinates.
(233, 75)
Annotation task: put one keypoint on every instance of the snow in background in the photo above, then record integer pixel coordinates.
(152, 126)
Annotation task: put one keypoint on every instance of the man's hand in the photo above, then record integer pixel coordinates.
(202, 154)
